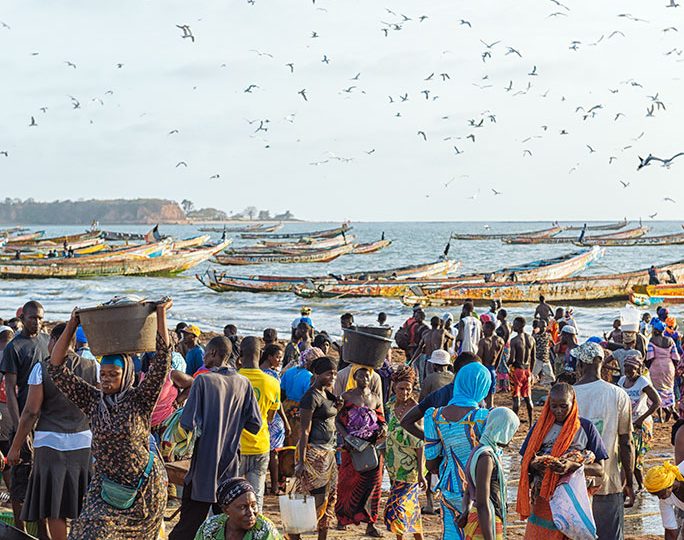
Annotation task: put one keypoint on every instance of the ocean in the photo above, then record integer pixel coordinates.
(413, 242)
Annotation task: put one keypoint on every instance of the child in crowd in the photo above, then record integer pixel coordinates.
(616, 333)
(521, 379)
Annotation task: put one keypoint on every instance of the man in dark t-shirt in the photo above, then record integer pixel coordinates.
(21, 354)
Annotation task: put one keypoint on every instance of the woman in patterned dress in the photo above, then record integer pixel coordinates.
(404, 461)
(120, 422)
(661, 360)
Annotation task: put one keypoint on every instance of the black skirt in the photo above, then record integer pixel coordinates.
(59, 481)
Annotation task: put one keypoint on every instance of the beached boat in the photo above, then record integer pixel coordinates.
(72, 240)
(195, 241)
(114, 236)
(293, 257)
(664, 240)
(126, 265)
(327, 233)
(27, 237)
(221, 282)
(607, 227)
(371, 247)
(308, 243)
(257, 227)
(576, 289)
(543, 233)
(558, 267)
(651, 295)
(636, 232)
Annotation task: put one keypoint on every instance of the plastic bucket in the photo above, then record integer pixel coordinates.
(367, 345)
(298, 513)
(120, 328)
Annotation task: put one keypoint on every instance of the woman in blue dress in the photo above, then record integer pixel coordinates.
(451, 433)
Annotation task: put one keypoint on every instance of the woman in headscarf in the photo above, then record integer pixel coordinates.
(667, 483)
(240, 518)
(316, 469)
(645, 401)
(127, 494)
(404, 460)
(661, 360)
(451, 433)
(558, 444)
(486, 479)
(360, 422)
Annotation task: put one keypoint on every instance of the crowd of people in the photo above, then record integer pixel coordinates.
(88, 440)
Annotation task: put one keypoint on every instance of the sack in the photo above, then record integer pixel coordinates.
(571, 507)
(363, 454)
(403, 337)
(120, 496)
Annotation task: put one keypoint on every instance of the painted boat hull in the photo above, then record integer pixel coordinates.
(609, 227)
(307, 243)
(195, 241)
(559, 267)
(631, 233)
(543, 233)
(327, 233)
(301, 256)
(371, 247)
(220, 282)
(578, 289)
(664, 240)
(651, 295)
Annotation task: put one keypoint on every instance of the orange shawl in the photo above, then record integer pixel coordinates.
(565, 438)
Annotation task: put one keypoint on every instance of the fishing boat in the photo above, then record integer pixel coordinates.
(636, 232)
(371, 247)
(257, 227)
(576, 289)
(607, 227)
(195, 241)
(27, 237)
(298, 256)
(557, 267)
(55, 241)
(543, 233)
(114, 236)
(308, 243)
(663, 240)
(327, 233)
(170, 263)
(651, 295)
(221, 282)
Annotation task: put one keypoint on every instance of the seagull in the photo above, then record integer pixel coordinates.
(5, 25)
(527, 152)
(471, 136)
(426, 92)
(261, 126)
(444, 76)
(618, 115)
(486, 55)
(652, 216)
(261, 53)
(187, 33)
(348, 90)
(649, 111)
(369, 152)
(489, 45)
(215, 177)
(291, 66)
(70, 64)
(670, 28)
(429, 77)
(303, 94)
(76, 103)
(668, 199)
(591, 150)
(533, 72)
(356, 77)
(325, 60)
(249, 89)
(511, 50)
(556, 14)
(4, 153)
(422, 18)
(422, 134)
(390, 98)
(496, 192)
(33, 122)
(559, 4)
(173, 132)
(457, 150)
(624, 184)
(181, 163)
(666, 162)
(404, 97)
(314, 35)
(463, 21)
(616, 33)
(510, 86)
(672, 4)
(611, 159)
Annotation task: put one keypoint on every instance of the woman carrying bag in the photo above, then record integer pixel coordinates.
(127, 495)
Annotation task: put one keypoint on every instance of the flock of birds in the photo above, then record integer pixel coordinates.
(490, 53)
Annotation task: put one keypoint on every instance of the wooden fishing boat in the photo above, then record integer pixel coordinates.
(557, 267)
(257, 227)
(298, 256)
(12, 230)
(371, 247)
(607, 227)
(113, 236)
(195, 241)
(651, 295)
(543, 233)
(327, 233)
(72, 240)
(588, 240)
(664, 240)
(308, 243)
(27, 237)
(129, 265)
(221, 282)
(577, 289)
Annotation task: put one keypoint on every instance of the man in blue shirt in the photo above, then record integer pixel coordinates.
(194, 358)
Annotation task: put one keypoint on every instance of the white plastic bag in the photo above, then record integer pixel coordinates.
(298, 513)
(571, 507)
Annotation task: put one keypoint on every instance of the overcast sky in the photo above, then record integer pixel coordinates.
(372, 163)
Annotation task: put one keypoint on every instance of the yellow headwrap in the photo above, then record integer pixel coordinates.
(662, 477)
(351, 383)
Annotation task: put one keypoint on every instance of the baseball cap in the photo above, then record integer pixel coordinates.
(192, 329)
(447, 317)
(587, 352)
(440, 357)
(569, 329)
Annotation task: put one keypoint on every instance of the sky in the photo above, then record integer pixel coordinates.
(354, 149)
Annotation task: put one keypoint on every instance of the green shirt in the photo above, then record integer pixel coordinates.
(214, 528)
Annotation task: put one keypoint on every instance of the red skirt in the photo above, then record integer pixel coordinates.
(358, 494)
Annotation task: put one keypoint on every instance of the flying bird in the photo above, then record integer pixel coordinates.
(422, 134)
(75, 103)
(314, 35)
(652, 216)
(489, 45)
(527, 152)
(215, 177)
(666, 162)
(369, 152)
(261, 53)
(70, 64)
(303, 94)
(356, 77)
(173, 132)
(4, 153)
(511, 50)
(33, 122)
(187, 33)
(668, 199)
(429, 77)
(249, 89)
(591, 150)
(496, 192)
(463, 21)
(325, 60)
(624, 184)
(672, 3)
(348, 90)
(291, 66)
(533, 72)
(181, 163)
(5, 25)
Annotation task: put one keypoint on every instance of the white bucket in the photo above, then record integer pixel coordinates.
(298, 513)
(629, 318)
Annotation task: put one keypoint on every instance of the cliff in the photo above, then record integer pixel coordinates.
(142, 211)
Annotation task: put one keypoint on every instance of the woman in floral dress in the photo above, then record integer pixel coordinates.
(404, 461)
(120, 422)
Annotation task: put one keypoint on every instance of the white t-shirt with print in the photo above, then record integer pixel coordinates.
(636, 395)
(607, 407)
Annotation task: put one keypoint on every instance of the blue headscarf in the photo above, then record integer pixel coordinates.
(658, 325)
(471, 385)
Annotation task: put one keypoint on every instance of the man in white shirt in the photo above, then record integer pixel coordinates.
(608, 407)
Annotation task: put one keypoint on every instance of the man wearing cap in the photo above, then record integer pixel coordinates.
(608, 407)
(194, 357)
(439, 374)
